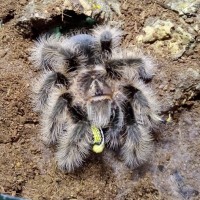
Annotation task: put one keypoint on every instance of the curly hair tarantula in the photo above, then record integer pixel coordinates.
(89, 86)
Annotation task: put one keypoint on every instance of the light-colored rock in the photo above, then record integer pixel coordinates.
(184, 7)
(166, 37)
(181, 39)
(158, 30)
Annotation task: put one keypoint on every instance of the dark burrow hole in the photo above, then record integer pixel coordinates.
(8, 17)
(59, 24)
(196, 98)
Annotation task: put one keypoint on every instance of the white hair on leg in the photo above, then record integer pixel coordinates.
(113, 135)
(145, 105)
(74, 146)
(138, 146)
(134, 63)
(42, 88)
(54, 118)
(107, 35)
(45, 54)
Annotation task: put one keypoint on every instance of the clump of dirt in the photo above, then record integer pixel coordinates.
(28, 168)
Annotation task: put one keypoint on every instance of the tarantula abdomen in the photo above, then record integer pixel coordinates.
(93, 94)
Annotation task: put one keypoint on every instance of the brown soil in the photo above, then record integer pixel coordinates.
(28, 168)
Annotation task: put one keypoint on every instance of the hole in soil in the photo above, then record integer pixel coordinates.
(196, 98)
(8, 17)
(61, 24)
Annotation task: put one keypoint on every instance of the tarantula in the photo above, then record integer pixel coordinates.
(87, 81)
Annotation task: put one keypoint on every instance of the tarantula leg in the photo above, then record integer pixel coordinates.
(60, 112)
(114, 133)
(52, 53)
(145, 107)
(107, 37)
(86, 43)
(74, 146)
(54, 119)
(135, 140)
(144, 74)
(45, 54)
(138, 146)
(73, 55)
(133, 63)
(43, 88)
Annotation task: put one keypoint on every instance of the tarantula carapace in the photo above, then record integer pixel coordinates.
(87, 81)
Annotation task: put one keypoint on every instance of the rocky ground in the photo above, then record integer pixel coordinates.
(167, 29)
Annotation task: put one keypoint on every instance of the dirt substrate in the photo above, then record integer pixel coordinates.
(28, 168)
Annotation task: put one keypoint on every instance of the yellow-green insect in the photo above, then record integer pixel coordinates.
(98, 139)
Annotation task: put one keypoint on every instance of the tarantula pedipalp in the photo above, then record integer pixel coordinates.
(89, 81)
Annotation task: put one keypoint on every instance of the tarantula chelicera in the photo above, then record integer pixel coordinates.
(93, 92)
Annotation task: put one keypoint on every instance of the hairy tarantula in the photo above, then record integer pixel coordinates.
(87, 81)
